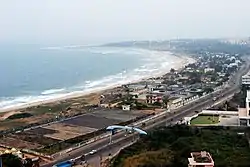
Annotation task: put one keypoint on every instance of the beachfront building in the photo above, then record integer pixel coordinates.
(201, 159)
(244, 113)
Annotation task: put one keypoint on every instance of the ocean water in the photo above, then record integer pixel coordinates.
(30, 73)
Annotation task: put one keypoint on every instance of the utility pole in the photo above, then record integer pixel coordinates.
(166, 116)
(133, 133)
(110, 137)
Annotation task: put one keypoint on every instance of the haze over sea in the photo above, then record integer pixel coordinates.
(32, 73)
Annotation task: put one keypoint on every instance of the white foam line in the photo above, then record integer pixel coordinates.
(147, 71)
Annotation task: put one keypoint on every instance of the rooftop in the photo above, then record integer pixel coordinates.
(247, 75)
(201, 158)
(242, 112)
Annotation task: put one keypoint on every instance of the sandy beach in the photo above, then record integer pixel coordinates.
(93, 96)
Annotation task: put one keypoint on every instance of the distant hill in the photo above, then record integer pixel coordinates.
(127, 44)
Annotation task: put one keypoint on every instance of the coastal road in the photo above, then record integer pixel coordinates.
(120, 140)
(232, 87)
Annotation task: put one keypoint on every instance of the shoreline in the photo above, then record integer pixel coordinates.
(183, 60)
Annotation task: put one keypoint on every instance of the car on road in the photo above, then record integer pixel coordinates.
(92, 152)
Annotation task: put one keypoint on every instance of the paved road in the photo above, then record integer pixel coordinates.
(120, 140)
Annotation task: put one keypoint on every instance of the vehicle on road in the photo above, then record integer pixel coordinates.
(92, 152)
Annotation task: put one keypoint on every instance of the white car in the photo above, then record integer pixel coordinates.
(92, 152)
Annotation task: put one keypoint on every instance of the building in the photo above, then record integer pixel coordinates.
(153, 98)
(206, 70)
(245, 79)
(201, 159)
(245, 83)
(244, 113)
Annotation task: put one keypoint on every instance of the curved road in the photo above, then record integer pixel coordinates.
(120, 140)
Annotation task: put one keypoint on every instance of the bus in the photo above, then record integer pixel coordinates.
(64, 164)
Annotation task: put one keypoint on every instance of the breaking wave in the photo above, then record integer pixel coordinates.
(156, 63)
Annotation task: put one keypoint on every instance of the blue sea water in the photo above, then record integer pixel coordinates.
(32, 73)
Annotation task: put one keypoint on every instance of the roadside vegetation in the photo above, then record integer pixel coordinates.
(171, 147)
(10, 160)
(19, 116)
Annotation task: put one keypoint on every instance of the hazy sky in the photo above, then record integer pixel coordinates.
(84, 21)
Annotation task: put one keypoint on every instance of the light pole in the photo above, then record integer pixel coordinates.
(110, 137)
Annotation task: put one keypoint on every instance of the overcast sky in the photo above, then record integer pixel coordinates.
(88, 21)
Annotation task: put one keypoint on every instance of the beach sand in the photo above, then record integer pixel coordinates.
(90, 97)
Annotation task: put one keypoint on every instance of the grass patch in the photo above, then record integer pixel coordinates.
(205, 119)
(50, 108)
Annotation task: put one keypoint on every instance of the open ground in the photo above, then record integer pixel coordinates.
(67, 129)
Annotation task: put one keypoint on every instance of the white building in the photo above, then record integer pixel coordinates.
(208, 70)
(244, 113)
(245, 79)
(245, 82)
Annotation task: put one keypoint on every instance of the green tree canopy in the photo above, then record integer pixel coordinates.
(10, 160)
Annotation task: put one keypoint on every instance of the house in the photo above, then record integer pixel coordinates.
(232, 65)
(183, 79)
(205, 79)
(136, 87)
(158, 81)
(202, 159)
(152, 98)
(238, 62)
(206, 70)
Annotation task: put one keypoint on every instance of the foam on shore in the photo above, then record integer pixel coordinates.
(157, 64)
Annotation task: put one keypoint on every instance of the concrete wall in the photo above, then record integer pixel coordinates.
(215, 112)
(178, 102)
(209, 112)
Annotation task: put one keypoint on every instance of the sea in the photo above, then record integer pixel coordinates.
(30, 74)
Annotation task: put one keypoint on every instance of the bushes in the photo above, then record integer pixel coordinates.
(20, 115)
(225, 146)
(10, 160)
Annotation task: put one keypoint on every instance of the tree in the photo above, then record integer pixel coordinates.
(28, 162)
(172, 70)
(208, 90)
(165, 100)
(10, 160)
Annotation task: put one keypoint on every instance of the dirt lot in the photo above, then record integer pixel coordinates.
(67, 131)
(18, 143)
(91, 121)
(62, 135)
(41, 131)
(70, 128)
(117, 114)
(47, 135)
(34, 138)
